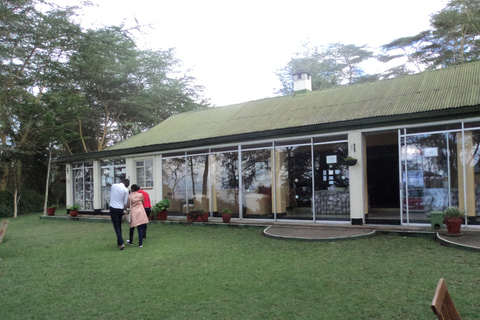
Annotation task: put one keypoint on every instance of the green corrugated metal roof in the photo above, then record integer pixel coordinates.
(442, 89)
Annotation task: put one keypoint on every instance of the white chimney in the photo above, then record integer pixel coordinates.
(302, 81)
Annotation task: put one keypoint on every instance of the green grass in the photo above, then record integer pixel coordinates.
(73, 270)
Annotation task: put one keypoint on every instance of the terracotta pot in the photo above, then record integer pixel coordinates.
(73, 213)
(453, 226)
(51, 211)
(226, 217)
(205, 217)
(162, 215)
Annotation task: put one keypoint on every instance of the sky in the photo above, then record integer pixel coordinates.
(234, 48)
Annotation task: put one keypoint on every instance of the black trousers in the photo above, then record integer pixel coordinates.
(116, 215)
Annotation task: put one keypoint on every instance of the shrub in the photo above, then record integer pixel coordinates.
(30, 201)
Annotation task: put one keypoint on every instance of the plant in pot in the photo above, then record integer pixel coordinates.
(161, 209)
(73, 210)
(350, 161)
(203, 215)
(226, 215)
(453, 218)
(195, 215)
(51, 210)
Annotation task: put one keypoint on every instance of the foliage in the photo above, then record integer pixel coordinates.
(349, 158)
(451, 40)
(329, 66)
(453, 212)
(161, 205)
(226, 211)
(30, 201)
(6, 203)
(68, 90)
(74, 207)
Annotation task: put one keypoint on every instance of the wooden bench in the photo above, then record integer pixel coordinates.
(3, 228)
(442, 304)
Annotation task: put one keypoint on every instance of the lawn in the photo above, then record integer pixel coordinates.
(73, 270)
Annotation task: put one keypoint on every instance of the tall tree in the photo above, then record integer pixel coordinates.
(329, 66)
(33, 44)
(453, 38)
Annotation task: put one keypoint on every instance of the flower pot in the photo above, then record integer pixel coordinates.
(162, 215)
(453, 226)
(51, 211)
(73, 213)
(226, 217)
(205, 217)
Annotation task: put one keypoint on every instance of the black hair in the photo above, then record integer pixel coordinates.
(126, 182)
(134, 187)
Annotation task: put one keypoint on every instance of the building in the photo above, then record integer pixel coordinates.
(416, 140)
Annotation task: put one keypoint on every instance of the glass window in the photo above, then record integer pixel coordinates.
(225, 182)
(257, 183)
(112, 171)
(144, 170)
(331, 174)
(430, 174)
(174, 183)
(197, 182)
(293, 190)
(83, 185)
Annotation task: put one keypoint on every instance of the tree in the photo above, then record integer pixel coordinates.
(329, 66)
(452, 39)
(33, 45)
(65, 90)
(124, 90)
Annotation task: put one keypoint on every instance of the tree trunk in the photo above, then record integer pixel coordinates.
(47, 182)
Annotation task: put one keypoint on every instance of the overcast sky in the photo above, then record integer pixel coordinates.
(234, 47)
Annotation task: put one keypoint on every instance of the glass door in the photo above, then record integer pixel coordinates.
(429, 175)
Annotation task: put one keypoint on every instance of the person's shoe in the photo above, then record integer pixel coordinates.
(140, 246)
(129, 242)
(121, 247)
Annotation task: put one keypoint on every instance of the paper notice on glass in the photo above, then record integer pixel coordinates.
(332, 159)
(430, 152)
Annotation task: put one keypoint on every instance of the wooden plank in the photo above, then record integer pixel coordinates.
(3, 228)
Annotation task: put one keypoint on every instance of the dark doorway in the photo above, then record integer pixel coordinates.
(382, 178)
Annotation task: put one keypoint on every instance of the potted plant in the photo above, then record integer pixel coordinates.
(51, 210)
(161, 209)
(73, 210)
(453, 218)
(203, 215)
(226, 215)
(195, 215)
(350, 161)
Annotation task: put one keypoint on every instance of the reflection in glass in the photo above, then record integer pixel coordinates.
(83, 185)
(293, 182)
(144, 173)
(197, 182)
(429, 176)
(225, 183)
(469, 184)
(332, 195)
(174, 183)
(257, 183)
(112, 171)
